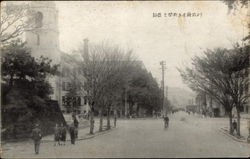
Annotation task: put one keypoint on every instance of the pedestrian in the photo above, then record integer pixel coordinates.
(56, 135)
(63, 132)
(36, 136)
(76, 124)
(72, 133)
(234, 126)
(166, 121)
(115, 117)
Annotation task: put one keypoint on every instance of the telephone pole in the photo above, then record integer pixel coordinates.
(163, 68)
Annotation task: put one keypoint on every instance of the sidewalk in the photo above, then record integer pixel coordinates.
(243, 131)
(83, 132)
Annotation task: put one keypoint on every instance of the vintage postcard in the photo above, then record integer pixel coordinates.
(125, 79)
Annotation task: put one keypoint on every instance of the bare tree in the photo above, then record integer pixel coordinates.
(220, 73)
(15, 19)
(105, 70)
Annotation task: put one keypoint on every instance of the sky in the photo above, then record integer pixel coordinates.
(153, 39)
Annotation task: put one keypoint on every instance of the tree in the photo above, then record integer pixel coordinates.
(19, 66)
(143, 90)
(220, 74)
(15, 19)
(235, 5)
(105, 69)
(239, 79)
(25, 87)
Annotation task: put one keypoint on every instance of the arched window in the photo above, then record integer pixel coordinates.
(39, 19)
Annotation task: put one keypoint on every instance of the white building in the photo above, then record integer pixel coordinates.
(44, 41)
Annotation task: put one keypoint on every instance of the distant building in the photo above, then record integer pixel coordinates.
(207, 104)
(192, 108)
(74, 98)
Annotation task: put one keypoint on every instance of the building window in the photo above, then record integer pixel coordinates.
(64, 86)
(64, 101)
(85, 100)
(68, 86)
(39, 19)
(78, 101)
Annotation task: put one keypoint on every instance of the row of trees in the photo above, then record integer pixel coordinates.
(223, 74)
(111, 76)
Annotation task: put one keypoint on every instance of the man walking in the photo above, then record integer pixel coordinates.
(57, 135)
(166, 121)
(72, 133)
(63, 134)
(36, 136)
(76, 124)
(234, 127)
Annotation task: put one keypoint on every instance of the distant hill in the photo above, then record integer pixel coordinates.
(180, 97)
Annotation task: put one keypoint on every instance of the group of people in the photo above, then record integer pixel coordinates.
(60, 134)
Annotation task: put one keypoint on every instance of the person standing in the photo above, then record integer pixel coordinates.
(166, 121)
(234, 127)
(76, 124)
(63, 134)
(72, 133)
(57, 135)
(36, 136)
(115, 117)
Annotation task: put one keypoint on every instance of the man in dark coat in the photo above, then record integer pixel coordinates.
(36, 136)
(76, 124)
(234, 126)
(72, 133)
(166, 121)
(63, 133)
(57, 135)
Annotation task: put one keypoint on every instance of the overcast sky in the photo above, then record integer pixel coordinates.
(131, 25)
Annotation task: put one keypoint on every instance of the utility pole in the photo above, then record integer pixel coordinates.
(163, 68)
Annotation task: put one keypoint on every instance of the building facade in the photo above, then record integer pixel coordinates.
(43, 40)
(207, 105)
(74, 98)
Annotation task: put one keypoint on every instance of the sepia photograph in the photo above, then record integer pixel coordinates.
(125, 79)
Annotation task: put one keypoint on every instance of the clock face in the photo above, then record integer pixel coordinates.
(39, 19)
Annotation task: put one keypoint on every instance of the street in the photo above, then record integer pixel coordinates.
(187, 136)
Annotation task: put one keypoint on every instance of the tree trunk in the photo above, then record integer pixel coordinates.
(137, 111)
(11, 81)
(108, 119)
(115, 117)
(92, 121)
(230, 122)
(101, 119)
(238, 122)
